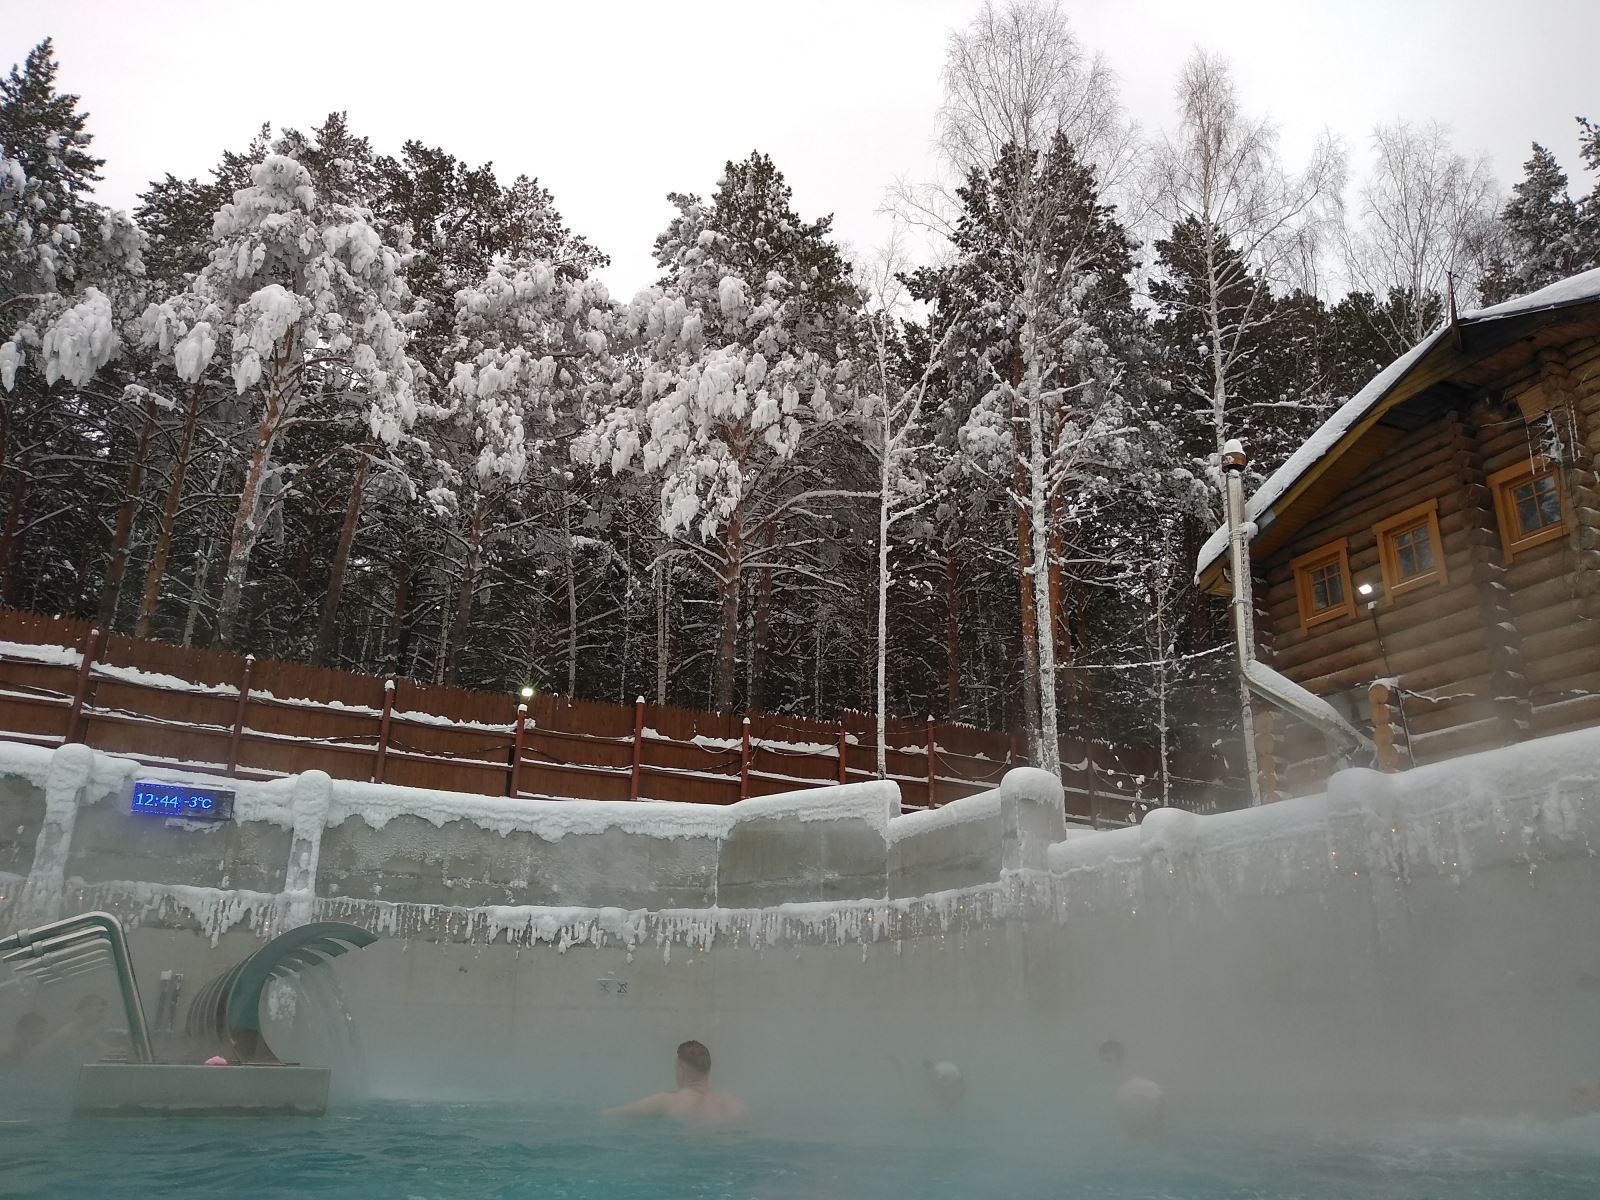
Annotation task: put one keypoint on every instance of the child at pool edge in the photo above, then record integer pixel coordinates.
(1140, 1104)
(694, 1101)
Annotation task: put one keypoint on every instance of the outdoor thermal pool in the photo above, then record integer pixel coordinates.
(1386, 991)
(439, 1152)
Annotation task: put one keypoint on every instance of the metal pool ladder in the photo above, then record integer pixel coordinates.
(69, 947)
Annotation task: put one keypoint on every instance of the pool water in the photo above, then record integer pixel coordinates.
(434, 1152)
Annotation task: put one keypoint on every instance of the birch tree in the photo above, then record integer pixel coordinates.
(895, 414)
(1218, 175)
(1413, 225)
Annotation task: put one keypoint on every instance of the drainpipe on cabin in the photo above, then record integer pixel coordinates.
(1233, 464)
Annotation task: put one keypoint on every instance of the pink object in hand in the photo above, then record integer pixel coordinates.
(216, 1060)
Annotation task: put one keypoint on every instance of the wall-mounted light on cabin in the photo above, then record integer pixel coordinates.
(1370, 592)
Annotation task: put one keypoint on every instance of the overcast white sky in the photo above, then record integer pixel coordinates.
(613, 103)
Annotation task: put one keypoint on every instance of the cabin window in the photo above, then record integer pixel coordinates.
(1322, 583)
(1410, 550)
(1529, 505)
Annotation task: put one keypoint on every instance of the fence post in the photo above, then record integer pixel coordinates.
(1013, 759)
(744, 761)
(238, 714)
(844, 750)
(77, 727)
(383, 730)
(1388, 738)
(516, 751)
(638, 747)
(933, 796)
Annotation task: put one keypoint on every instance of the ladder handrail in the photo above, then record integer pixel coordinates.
(59, 944)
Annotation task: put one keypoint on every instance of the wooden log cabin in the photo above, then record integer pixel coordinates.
(1429, 561)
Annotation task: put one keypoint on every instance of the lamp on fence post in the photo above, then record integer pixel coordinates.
(933, 800)
(516, 749)
(77, 727)
(744, 761)
(638, 747)
(238, 714)
(383, 731)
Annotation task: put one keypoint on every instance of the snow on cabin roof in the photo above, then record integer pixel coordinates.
(1574, 290)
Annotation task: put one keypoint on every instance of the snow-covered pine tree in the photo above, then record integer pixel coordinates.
(741, 360)
(1546, 235)
(531, 343)
(70, 276)
(306, 303)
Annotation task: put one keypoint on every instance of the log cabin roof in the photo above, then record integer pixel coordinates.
(1449, 365)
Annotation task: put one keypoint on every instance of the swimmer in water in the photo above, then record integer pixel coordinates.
(694, 1101)
(1140, 1104)
(945, 1085)
(944, 1082)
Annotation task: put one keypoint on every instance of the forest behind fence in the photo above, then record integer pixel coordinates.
(61, 681)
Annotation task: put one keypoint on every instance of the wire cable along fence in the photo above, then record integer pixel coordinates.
(63, 681)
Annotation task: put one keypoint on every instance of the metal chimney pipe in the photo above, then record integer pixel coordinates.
(1233, 463)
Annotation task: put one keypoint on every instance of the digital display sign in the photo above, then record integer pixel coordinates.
(181, 800)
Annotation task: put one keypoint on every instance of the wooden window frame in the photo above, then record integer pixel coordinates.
(1388, 529)
(1502, 483)
(1302, 567)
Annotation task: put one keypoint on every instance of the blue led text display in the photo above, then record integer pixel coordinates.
(178, 800)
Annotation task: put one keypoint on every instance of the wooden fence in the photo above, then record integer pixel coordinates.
(61, 681)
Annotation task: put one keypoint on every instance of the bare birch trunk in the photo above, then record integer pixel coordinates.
(1049, 734)
(883, 607)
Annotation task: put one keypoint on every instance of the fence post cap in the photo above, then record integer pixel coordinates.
(638, 699)
(388, 685)
(747, 720)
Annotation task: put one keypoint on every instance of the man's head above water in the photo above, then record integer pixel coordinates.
(694, 1063)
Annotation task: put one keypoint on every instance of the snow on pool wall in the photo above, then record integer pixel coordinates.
(1431, 935)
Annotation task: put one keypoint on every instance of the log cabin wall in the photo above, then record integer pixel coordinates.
(1555, 588)
(1495, 650)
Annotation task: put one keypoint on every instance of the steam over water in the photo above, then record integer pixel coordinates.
(434, 1152)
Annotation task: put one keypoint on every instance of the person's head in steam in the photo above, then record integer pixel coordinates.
(945, 1083)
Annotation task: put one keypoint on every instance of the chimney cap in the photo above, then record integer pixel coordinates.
(1233, 455)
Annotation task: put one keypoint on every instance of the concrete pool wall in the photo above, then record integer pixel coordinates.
(1432, 934)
